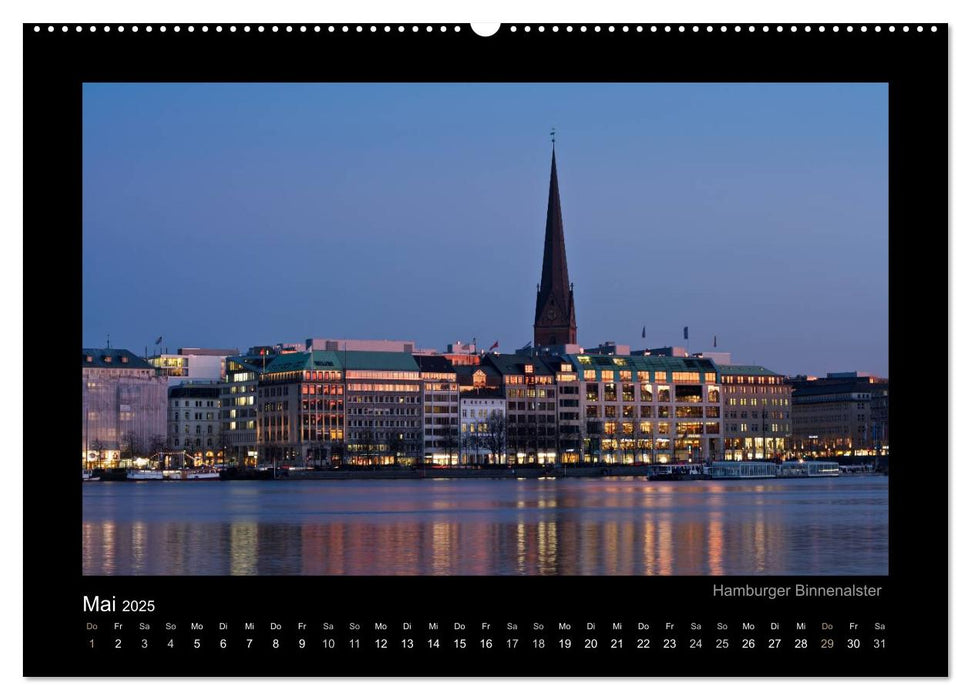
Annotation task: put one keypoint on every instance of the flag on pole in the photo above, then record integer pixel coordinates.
(644, 332)
(158, 341)
(685, 332)
(494, 346)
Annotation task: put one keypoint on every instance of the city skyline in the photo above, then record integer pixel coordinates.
(238, 215)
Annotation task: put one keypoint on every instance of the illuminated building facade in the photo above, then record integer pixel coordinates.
(440, 410)
(460, 353)
(648, 409)
(845, 413)
(300, 409)
(483, 432)
(529, 385)
(193, 364)
(194, 422)
(238, 404)
(123, 405)
(383, 408)
(757, 409)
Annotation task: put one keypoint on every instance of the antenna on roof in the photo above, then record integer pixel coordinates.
(108, 342)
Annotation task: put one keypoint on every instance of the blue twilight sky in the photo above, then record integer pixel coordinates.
(236, 215)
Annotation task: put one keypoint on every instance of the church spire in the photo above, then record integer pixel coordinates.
(555, 322)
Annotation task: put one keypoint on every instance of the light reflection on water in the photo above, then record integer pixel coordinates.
(617, 526)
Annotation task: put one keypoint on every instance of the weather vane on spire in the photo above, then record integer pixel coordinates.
(553, 134)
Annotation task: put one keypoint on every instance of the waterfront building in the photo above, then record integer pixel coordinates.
(569, 413)
(383, 403)
(843, 414)
(555, 322)
(756, 405)
(483, 427)
(238, 403)
(530, 390)
(195, 424)
(648, 409)
(440, 410)
(193, 364)
(123, 406)
(300, 410)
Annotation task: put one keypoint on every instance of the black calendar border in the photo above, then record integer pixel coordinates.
(914, 64)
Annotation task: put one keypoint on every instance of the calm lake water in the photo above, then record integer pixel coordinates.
(487, 527)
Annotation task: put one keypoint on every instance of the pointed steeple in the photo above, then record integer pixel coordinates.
(555, 321)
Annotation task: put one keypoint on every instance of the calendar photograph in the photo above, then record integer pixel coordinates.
(485, 329)
(569, 354)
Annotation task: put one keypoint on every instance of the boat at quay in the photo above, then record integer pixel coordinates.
(722, 470)
(150, 475)
(772, 470)
(679, 472)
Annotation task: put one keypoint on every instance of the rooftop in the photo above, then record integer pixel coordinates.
(642, 363)
(112, 358)
(516, 364)
(194, 391)
(434, 363)
(747, 370)
(299, 361)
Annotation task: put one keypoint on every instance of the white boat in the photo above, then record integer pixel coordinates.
(189, 474)
(809, 469)
(742, 470)
(88, 475)
(145, 475)
(202, 475)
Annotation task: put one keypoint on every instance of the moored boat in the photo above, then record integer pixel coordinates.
(743, 470)
(807, 470)
(201, 475)
(145, 475)
(679, 472)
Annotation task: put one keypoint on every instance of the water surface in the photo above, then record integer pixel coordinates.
(606, 526)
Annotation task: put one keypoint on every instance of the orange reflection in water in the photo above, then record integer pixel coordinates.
(478, 527)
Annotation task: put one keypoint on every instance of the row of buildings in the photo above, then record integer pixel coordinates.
(302, 406)
(336, 402)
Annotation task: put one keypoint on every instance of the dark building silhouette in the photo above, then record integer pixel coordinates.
(555, 322)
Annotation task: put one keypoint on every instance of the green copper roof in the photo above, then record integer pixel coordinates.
(297, 361)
